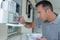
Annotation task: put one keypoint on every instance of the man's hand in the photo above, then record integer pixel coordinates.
(21, 19)
(28, 25)
(41, 38)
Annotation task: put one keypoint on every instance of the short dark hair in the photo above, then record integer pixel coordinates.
(45, 4)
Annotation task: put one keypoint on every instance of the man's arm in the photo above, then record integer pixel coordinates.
(27, 24)
(42, 38)
(30, 25)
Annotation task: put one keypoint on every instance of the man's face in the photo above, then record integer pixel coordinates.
(42, 13)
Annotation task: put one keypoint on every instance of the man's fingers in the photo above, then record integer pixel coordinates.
(21, 19)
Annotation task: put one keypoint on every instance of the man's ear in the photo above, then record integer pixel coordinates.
(48, 11)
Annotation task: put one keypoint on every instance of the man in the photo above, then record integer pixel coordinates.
(51, 21)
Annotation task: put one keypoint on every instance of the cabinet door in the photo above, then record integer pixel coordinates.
(11, 17)
(27, 11)
(12, 7)
(9, 6)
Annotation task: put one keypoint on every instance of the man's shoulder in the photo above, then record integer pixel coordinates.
(57, 20)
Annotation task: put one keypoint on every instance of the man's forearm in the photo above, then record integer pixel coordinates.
(30, 25)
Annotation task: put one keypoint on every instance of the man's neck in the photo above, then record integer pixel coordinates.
(52, 17)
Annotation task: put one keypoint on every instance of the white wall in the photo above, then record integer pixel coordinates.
(56, 5)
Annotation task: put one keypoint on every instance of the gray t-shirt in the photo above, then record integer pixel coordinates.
(51, 31)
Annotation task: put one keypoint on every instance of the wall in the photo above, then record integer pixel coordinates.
(56, 5)
(3, 32)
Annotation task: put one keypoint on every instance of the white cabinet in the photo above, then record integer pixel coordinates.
(25, 30)
(1, 3)
(6, 0)
(13, 18)
(22, 29)
(7, 31)
(12, 7)
(3, 16)
(9, 6)
(8, 12)
(7, 17)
